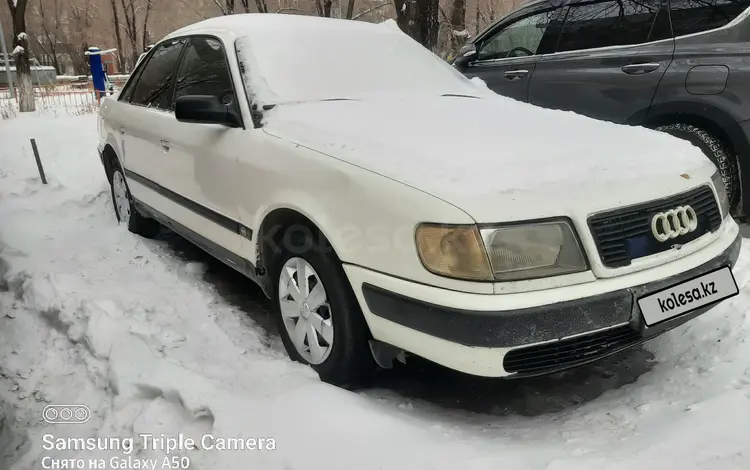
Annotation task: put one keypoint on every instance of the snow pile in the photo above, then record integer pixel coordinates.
(91, 314)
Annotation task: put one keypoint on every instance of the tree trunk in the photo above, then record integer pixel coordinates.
(261, 4)
(327, 8)
(419, 19)
(118, 36)
(21, 55)
(149, 6)
(131, 30)
(458, 25)
(458, 15)
(350, 9)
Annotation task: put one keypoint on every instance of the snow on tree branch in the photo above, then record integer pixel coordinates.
(18, 50)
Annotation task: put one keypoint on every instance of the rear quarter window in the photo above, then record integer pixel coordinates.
(696, 16)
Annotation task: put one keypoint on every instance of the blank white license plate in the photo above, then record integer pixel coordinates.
(688, 296)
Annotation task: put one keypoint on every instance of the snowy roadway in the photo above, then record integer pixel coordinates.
(155, 338)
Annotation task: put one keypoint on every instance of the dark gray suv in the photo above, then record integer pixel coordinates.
(681, 66)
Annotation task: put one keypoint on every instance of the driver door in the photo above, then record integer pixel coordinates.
(203, 157)
(507, 55)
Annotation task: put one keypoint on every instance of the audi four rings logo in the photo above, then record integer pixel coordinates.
(66, 414)
(674, 222)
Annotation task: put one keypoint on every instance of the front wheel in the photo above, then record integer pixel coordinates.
(318, 316)
(125, 209)
(717, 151)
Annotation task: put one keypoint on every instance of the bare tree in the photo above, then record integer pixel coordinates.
(118, 36)
(261, 5)
(454, 28)
(146, 38)
(226, 6)
(131, 28)
(419, 19)
(131, 10)
(81, 16)
(350, 9)
(21, 55)
(51, 25)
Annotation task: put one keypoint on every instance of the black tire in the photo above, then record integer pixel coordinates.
(350, 363)
(717, 151)
(138, 224)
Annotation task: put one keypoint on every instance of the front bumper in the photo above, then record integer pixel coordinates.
(529, 341)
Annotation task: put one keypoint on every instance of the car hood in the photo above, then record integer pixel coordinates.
(496, 158)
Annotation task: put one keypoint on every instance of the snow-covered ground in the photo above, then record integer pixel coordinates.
(155, 338)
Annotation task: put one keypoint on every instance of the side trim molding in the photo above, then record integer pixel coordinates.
(228, 257)
(219, 219)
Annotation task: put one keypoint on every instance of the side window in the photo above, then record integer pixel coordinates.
(155, 83)
(608, 23)
(204, 70)
(519, 39)
(127, 91)
(695, 16)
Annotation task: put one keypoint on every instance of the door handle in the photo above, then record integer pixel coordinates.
(638, 69)
(515, 74)
(164, 145)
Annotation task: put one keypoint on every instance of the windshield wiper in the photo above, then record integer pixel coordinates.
(458, 95)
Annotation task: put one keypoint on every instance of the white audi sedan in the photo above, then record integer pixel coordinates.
(391, 207)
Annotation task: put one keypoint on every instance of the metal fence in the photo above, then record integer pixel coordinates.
(72, 97)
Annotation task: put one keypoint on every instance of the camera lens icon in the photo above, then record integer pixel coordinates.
(66, 414)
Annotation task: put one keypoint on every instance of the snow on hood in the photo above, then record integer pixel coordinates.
(469, 151)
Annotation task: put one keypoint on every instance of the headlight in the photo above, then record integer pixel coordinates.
(453, 251)
(533, 250)
(721, 193)
(503, 253)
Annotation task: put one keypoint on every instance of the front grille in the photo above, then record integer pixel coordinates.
(560, 354)
(625, 234)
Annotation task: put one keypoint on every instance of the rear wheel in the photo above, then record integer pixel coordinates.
(317, 314)
(125, 209)
(716, 150)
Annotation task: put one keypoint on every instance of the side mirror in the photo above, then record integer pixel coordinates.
(206, 109)
(466, 55)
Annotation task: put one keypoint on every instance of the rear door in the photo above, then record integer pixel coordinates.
(608, 61)
(507, 55)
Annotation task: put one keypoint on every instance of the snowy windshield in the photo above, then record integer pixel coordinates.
(342, 62)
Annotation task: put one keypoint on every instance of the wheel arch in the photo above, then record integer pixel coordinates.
(272, 229)
(711, 119)
(109, 158)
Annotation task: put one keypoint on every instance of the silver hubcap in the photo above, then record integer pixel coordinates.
(305, 310)
(122, 204)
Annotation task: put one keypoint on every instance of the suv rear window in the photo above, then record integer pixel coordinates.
(695, 16)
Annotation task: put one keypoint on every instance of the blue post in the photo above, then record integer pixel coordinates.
(97, 71)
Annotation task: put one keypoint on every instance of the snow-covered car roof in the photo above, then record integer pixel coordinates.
(292, 58)
(261, 23)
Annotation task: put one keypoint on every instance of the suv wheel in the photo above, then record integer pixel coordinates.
(716, 150)
(318, 316)
(125, 209)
